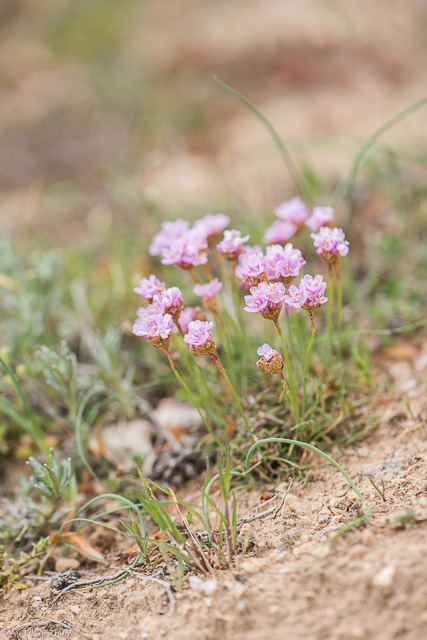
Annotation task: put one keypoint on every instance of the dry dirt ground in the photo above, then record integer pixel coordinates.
(315, 68)
(297, 580)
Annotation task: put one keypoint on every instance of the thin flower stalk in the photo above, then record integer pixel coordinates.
(236, 397)
(289, 370)
(307, 355)
(191, 396)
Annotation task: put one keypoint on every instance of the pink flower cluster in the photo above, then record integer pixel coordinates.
(330, 244)
(187, 247)
(232, 244)
(293, 216)
(280, 264)
(271, 360)
(208, 290)
(156, 328)
(199, 338)
(149, 287)
(309, 294)
(154, 323)
(267, 298)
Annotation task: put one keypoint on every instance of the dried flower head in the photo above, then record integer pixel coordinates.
(199, 338)
(271, 361)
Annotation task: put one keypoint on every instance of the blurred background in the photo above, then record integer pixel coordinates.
(110, 119)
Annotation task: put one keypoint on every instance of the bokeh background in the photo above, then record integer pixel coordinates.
(110, 120)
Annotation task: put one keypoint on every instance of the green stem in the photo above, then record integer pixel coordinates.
(306, 445)
(192, 398)
(339, 309)
(307, 354)
(299, 180)
(330, 308)
(297, 332)
(236, 397)
(289, 368)
(288, 392)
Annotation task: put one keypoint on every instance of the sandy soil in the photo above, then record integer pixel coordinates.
(297, 579)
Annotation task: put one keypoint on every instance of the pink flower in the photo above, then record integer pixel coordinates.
(309, 294)
(149, 287)
(208, 290)
(267, 298)
(252, 269)
(169, 301)
(187, 315)
(320, 217)
(271, 360)
(247, 251)
(155, 328)
(280, 232)
(283, 263)
(210, 226)
(232, 244)
(294, 210)
(267, 352)
(169, 233)
(330, 244)
(187, 251)
(199, 338)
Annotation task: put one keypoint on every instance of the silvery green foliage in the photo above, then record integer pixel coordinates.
(52, 478)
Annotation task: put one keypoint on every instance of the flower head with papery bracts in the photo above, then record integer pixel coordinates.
(232, 244)
(155, 328)
(149, 287)
(267, 298)
(169, 301)
(252, 269)
(283, 263)
(321, 217)
(199, 338)
(208, 290)
(309, 294)
(211, 225)
(280, 232)
(271, 360)
(330, 244)
(247, 251)
(294, 210)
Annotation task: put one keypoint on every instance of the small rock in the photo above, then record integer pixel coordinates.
(75, 608)
(323, 518)
(206, 587)
(63, 564)
(384, 577)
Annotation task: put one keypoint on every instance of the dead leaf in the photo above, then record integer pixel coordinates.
(398, 351)
(79, 542)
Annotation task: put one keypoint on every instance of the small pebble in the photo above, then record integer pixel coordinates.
(384, 577)
(323, 518)
(63, 564)
(75, 608)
